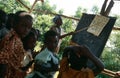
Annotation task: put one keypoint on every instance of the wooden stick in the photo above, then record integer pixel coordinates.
(71, 33)
(109, 71)
(77, 19)
(109, 8)
(103, 7)
(81, 30)
(108, 74)
(33, 6)
(47, 12)
(23, 4)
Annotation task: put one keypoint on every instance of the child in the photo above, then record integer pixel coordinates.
(57, 28)
(46, 62)
(3, 32)
(29, 43)
(11, 47)
(57, 24)
(74, 63)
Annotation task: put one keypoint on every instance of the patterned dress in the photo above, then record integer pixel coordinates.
(12, 53)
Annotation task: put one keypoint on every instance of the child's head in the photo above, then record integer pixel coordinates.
(22, 23)
(51, 40)
(29, 41)
(3, 18)
(37, 32)
(57, 20)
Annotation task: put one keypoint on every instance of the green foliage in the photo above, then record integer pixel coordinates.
(117, 24)
(45, 7)
(95, 10)
(60, 11)
(11, 6)
(42, 23)
(79, 12)
(102, 76)
(111, 53)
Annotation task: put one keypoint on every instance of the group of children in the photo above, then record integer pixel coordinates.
(12, 51)
(17, 41)
(17, 58)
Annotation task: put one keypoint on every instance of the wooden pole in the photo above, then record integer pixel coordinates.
(103, 7)
(47, 12)
(110, 73)
(108, 9)
(77, 19)
(33, 6)
(23, 4)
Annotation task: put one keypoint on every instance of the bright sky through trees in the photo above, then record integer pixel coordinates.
(70, 6)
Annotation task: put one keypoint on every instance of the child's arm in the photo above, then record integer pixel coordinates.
(98, 63)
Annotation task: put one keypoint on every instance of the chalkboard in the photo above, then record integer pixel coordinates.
(95, 44)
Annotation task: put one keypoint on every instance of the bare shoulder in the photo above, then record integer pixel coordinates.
(84, 50)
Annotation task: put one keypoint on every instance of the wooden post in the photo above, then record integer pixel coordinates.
(33, 6)
(106, 10)
(109, 8)
(103, 7)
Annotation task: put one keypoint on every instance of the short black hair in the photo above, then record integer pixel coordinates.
(49, 34)
(18, 15)
(3, 16)
(9, 23)
(57, 17)
(31, 33)
(28, 36)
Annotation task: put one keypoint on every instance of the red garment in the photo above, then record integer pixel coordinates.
(12, 53)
